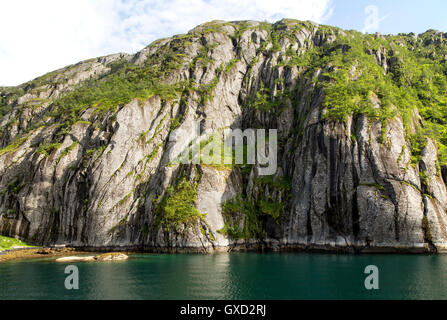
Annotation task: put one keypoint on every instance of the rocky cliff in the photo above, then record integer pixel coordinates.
(85, 154)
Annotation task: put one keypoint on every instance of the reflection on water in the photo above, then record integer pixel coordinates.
(231, 276)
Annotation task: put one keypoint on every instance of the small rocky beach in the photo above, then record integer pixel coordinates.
(60, 255)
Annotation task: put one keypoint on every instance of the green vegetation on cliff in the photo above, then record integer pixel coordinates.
(177, 207)
(126, 81)
(382, 77)
(245, 217)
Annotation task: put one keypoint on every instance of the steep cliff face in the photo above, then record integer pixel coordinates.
(86, 150)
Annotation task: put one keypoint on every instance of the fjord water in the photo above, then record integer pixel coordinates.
(231, 276)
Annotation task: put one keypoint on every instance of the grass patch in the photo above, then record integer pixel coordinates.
(13, 146)
(47, 148)
(7, 243)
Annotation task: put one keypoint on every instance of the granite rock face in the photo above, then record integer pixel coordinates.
(351, 185)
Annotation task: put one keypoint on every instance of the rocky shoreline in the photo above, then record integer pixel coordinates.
(256, 247)
(120, 253)
(33, 253)
(61, 255)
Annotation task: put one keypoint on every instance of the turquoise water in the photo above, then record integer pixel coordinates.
(231, 276)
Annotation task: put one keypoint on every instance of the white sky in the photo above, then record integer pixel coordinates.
(37, 37)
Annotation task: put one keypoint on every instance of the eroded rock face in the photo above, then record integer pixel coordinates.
(350, 184)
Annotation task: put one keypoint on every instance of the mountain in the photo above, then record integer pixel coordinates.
(87, 151)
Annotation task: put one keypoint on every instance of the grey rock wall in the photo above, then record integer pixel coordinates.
(347, 189)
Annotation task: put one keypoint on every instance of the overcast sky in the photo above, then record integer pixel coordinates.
(40, 36)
